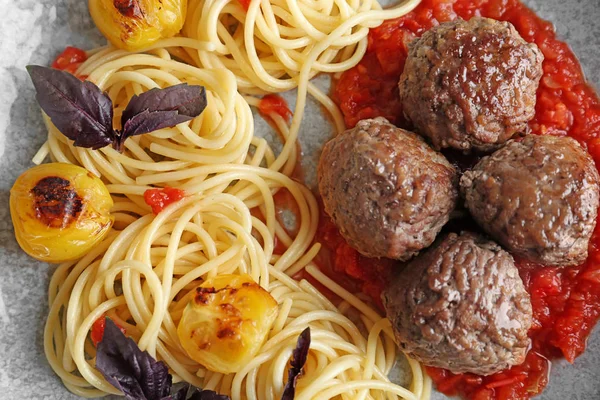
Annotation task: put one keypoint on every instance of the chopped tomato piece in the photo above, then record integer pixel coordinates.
(273, 103)
(158, 199)
(70, 59)
(98, 330)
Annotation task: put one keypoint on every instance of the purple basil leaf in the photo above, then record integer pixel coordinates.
(188, 100)
(179, 395)
(150, 121)
(147, 121)
(78, 109)
(299, 357)
(126, 367)
(208, 395)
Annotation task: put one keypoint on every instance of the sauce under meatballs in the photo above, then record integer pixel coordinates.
(566, 301)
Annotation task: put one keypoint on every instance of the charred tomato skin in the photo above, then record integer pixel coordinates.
(59, 211)
(226, 322)
(135, 24)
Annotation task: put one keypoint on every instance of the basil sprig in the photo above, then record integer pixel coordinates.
(84, 114)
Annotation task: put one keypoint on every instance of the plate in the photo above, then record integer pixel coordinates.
(34, 32)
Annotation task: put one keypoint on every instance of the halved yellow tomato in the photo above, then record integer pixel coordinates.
(227, 322)
(134, 24)
(59, 211)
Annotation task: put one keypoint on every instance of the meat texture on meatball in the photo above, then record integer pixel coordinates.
(471, 84)
(461, 305)
(538, 197)
(386, 190)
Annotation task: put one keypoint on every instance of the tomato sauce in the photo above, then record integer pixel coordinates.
(566, 302)
(275, 104)
(245, 4)
(347, 266)
(158, 199)
(287, 207)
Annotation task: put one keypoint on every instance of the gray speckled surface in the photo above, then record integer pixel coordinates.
(34, 31)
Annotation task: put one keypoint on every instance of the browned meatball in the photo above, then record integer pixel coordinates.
(461, 305)
(387, 191)
(537, 197)
(471, 85)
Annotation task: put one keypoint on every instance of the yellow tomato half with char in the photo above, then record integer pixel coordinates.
(227, 322)
(134, 24)
(59, 211)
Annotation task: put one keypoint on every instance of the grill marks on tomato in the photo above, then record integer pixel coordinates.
(56, 203)
(203, 295)
(128, 8)
(566, 302)
(230, 326)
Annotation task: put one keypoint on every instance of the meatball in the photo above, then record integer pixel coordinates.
(538, 197)
(461, 305)
(386, 190)
(471, 84)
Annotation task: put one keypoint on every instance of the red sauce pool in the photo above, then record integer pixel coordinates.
(566, 302)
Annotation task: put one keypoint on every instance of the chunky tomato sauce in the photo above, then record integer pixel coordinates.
(358, 273)
(566, 302)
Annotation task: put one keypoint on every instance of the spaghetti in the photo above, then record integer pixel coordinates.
(142, 277)
(277, 46)
(145, 271)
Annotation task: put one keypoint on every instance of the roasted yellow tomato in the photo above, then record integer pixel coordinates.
(226, 323)
(59, 211)
(134, 24)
